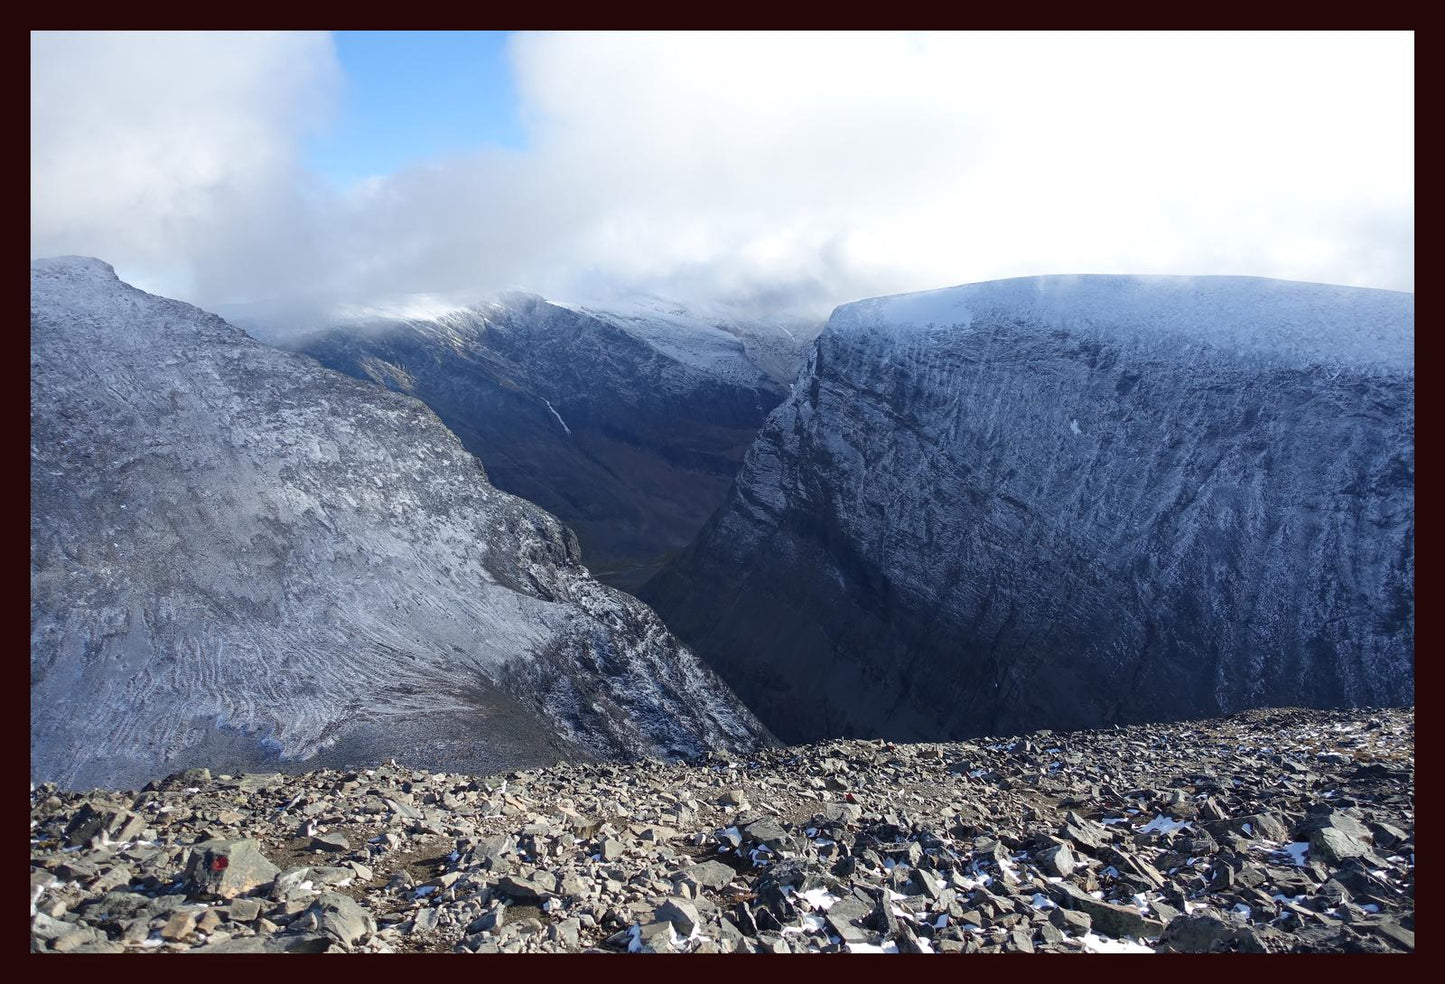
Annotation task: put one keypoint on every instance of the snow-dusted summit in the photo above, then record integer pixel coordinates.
(1255, 319)
(713, 338)
(240, 557)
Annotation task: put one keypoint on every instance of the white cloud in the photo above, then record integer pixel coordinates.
(173, 153)
(805, 169)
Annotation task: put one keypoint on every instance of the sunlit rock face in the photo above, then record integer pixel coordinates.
(240, 558)
(1071, 501)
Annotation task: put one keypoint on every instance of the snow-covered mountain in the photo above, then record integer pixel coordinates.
(1071, 501)
(627, 423)
(707, 336)
(240, 557)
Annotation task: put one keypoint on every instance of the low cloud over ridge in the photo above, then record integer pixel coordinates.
(776, 172)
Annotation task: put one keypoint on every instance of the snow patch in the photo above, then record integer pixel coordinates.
(1297, 852)
(1163, 824)
(1101, 944)
(872, 948)
(820, 898)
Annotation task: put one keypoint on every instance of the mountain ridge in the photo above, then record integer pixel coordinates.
(235, 548)
(988, 507)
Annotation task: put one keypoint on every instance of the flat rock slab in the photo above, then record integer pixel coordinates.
(339, 917)
(711, 874)
(526, 889)
(1108, 917)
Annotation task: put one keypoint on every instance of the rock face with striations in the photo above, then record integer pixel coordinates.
(239, 557)
(1071, 501)
(628, 424)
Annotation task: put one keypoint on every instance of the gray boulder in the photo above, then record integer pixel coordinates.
(228, 868)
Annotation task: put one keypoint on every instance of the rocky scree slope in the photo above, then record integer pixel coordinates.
(241, 558)
(1070, 501)
(628, 425)
(1270, 831)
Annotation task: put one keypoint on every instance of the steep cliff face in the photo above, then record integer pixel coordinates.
(629, 425)
(1071, 501)
(239, 556)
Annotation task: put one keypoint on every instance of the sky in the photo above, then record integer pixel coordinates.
(410, 96)
(778, 173)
